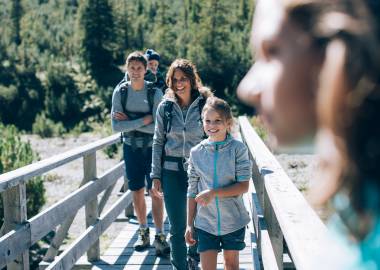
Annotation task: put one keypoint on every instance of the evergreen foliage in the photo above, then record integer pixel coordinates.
(62, 59)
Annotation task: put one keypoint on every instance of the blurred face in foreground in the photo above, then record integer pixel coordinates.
(283, 81)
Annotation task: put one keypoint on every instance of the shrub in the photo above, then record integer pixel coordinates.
(46, 128)
(105, 130)
(259, 127)
(14, 154)
(21, 96)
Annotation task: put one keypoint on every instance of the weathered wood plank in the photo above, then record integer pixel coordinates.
(60, 235)
(47, 220)
(91, 207)
(14, 201)
(130, 267)
(105, 197)
(14, 243)
(15, 177)
(129, 211)
(121, 252)
(251, 235)
(142, 259)
(67, 259)
(153, 267)
(303, 230)
(274, 231)
(129, 250)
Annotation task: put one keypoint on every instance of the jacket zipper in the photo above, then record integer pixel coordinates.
(184, 126)
(215, 185)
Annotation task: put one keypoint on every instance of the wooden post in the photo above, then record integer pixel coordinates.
(129, 209)
(91, 208)
(258, 180)
(274, 230)
(14, 200)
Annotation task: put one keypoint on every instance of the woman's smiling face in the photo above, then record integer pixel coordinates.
(181, 83)
(283, 81)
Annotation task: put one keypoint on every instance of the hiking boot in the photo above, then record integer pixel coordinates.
(161, 246)
(192, 264)
(143, 241)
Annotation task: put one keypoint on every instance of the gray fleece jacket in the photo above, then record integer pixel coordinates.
(186, 131)
(137, 102)
(214, 165)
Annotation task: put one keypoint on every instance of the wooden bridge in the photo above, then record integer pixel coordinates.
(284, 233)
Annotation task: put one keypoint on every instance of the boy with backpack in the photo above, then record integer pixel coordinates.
(134, 105)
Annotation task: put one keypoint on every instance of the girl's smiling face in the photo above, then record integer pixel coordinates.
(215, 126)
(283, 81)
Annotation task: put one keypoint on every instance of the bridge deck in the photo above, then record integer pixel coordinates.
(121, 255)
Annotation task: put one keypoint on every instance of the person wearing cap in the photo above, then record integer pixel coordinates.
(153, 73)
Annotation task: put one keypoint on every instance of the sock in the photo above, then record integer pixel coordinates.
(143, 226)
(159, 231)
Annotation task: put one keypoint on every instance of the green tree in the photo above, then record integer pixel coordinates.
(16, 18)
(21, 96)
(96, 26)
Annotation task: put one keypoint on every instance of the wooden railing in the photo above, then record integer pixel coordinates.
(279, 211)
(280, 214)
(19, 232)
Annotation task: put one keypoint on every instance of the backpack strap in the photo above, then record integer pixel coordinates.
(168, 115)
(124, 96)
(151, 91)
(168, 108)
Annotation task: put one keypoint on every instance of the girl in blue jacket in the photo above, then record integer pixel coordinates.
(219, 171)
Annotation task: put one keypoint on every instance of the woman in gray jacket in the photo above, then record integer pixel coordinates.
(178, 128)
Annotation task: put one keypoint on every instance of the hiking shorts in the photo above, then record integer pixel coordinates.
(230, 241)
(137, 166)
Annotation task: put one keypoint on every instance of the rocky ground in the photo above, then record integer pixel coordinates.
(63, 180)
